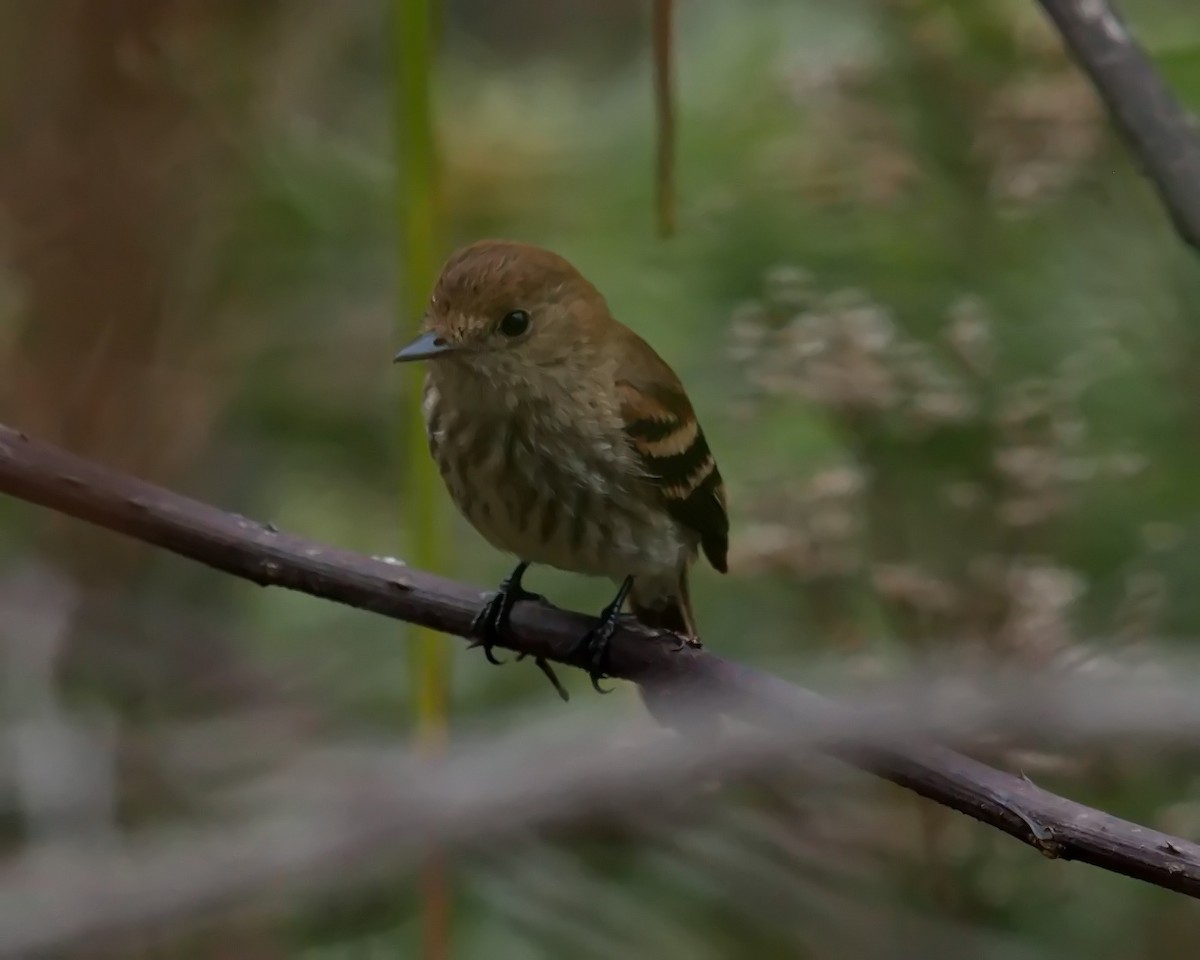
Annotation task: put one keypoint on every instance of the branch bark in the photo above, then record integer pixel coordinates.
(46, 475)
(1158, 129)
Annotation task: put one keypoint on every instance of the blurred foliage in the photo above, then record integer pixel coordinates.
(940, 336)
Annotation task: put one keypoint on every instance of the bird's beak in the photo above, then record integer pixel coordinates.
(425, 347)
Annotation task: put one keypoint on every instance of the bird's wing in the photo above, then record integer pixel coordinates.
(660, 422)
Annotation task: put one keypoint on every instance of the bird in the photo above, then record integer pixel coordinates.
(566, 441)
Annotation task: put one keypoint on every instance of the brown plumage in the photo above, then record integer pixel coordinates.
(563, 437)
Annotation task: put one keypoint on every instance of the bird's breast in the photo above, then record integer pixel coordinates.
(552, 488)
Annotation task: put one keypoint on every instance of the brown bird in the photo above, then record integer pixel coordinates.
(565, 439)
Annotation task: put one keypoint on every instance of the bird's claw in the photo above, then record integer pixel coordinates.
(542, 664)
(548, 670)
(486, 627)
(593, 648)
(491, 621)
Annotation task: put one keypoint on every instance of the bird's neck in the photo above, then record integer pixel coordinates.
(568, 392)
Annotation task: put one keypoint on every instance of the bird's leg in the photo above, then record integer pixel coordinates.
(595, 642)
(492, 621)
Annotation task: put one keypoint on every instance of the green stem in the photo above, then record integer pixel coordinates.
(418, 221)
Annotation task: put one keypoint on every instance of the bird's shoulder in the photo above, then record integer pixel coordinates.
(661, 424)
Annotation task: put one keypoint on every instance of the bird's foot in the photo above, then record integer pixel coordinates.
(491, 622)
(592, 647)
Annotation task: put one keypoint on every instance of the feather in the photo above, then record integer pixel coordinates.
(660, 422)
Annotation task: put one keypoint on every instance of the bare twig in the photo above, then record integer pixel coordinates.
(46, 475)
(1159, 131)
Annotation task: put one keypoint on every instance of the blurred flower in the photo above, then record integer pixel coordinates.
(1041, 596)
(909, 587)
(788, 289)
(968, 332)
(1036, 134)
(747, 333)
(1141, 605)
(888, 393)
(810, 533)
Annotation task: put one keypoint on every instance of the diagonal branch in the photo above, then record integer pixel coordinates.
(1158, 129)
(46, 475)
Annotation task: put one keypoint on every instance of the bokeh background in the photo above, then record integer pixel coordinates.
(938, 330)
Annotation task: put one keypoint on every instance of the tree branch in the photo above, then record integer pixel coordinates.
(46, 475)
(1160, 132)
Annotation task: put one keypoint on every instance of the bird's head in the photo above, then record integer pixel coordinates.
(509, 310)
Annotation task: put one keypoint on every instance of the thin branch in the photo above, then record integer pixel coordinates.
(46, 475)
(1159, 130)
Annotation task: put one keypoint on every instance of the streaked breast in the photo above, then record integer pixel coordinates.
(535, 488)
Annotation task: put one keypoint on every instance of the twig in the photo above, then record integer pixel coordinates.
(1160, 132)
(45, 475)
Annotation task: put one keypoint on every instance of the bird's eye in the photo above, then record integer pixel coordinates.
(515, 323)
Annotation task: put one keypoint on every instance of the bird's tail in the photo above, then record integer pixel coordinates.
(661, 609)
(665, 609)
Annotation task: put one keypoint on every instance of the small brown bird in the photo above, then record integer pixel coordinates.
(565, 439)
